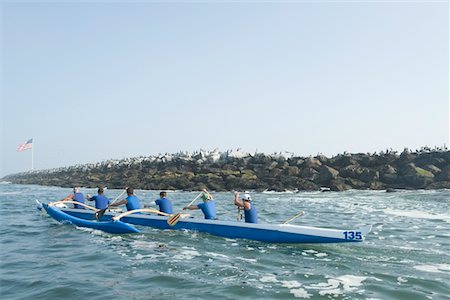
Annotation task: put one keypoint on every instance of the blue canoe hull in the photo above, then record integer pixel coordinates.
(273, 233)
(106, 226)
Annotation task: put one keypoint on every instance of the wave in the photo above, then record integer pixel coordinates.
(417, 214)
(436, 268)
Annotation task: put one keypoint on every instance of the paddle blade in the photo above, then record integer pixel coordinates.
(100, 213)
(173, 220)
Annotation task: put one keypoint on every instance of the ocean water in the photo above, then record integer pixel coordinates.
(406, 256)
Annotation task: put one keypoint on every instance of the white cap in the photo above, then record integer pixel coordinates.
(247, 197)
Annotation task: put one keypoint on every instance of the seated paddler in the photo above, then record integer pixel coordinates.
(75, 196)
(164, 203)
(208, 206)
(251, 215)
(101, 201)
(132, 202)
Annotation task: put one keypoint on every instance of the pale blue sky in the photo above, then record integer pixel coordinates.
(90, 82)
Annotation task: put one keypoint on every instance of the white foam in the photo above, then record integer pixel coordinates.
(291, 284)
(320, 254)
(436, 268)
(417, 214)
(401, 280)
(331, 292)
(212, 254)
(300, 293)
(310, 251)
(186, 255)
(10, 193)
(252, 260)
(339, 285)
(93, 231)
(145, 245)
(268, 278)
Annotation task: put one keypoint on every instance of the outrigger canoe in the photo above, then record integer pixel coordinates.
(272, 233)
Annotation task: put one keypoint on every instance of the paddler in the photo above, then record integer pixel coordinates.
(75, 196)
(165, 205)
(208, 206)
(251, 215)
(101, 201)
(131, 201)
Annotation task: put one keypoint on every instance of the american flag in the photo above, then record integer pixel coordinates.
(27, 145)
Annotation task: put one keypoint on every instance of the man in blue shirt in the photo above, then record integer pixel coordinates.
(251, 215)
(75, 196)
(208, 206)
(101, 201)
(131, 201)
(165, 205)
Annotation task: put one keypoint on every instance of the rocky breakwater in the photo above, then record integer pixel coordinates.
(238, 170)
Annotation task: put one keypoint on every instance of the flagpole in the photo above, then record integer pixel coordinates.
(32, 157)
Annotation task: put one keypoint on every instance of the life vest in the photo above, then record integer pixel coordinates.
(101, 201)
(208, 208)
(164, 205)
(133, 203)
(251, 216)
(78, 197)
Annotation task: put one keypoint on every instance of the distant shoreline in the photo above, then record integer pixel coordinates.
(238, 170)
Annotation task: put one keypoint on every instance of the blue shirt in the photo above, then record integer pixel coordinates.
(251, 216)
(101, 201)
(164, 205)
(79, 197)
(208, 208)
(133, 203)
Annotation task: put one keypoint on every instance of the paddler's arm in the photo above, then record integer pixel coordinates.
(190, 207)
(123, 201)
(237, 201)
(69, 197)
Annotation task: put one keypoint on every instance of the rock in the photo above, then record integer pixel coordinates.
(433, 169)
(339, 185)
(240, 170)
(293, 171)
(377, 185)
(327, 174)
(360, 173)
(355, 183)
(444, 175)
(341, 161)
(313, 163)
(416, 177)
(306, 185)
(388, 169)
(322, 158)
(310, 174)
(389, 178)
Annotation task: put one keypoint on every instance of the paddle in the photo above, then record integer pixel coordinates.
(294, 217)
(239, 216)
(101, 212)
(173, 220)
